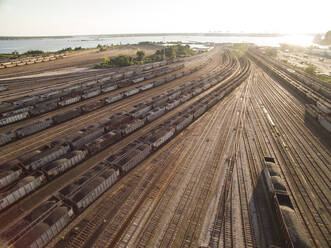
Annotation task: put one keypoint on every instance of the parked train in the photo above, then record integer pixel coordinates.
(29, 106)
(298, 82)
(29, 129)
(57, 157)
(291, 229)
(319, 107)
(39, 226)
(321, 113)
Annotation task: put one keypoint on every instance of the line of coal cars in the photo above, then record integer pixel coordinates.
(294, 234)
(34, 105)
(87, 141)
(58, 156)
(321, 112)
(38, 227)
(37, 126)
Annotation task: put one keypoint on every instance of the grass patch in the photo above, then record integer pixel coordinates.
(324, 78)
(168, 52)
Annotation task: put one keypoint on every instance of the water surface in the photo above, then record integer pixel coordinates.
(55, 44)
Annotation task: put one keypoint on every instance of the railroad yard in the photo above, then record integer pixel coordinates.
(212, 150)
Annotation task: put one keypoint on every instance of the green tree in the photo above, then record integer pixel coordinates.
(34, 52)
(121, 60)
(105, 60)
(181, 50)
(311, 69)
(140, 55)
(170, 52)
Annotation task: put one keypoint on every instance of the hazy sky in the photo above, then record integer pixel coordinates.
(69, 17)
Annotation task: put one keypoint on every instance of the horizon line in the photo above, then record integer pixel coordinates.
(160, 34)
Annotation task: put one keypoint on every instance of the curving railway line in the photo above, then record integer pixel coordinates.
(36, 140)
(204, 186)
(120, 218)
(13, 209)
(36, 85)
(307, 163)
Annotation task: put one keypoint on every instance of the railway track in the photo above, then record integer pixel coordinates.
(34, 141)
(222, 232)
(37, 84)
(167, 158)
(257, 146)
(122, 218)
(185, 235)
(311, 195)
(71, 80)
(113, 234)
(205, 186)
(243, 182)
(237, 231)
(123, 215)
(186, 239)
(303, 74)
(318, 155)
(15, 211)
(186, 214)
(80, 103)
(285, 148)
(133, 187)
(321, 172)
(51, 83)
(302, 87)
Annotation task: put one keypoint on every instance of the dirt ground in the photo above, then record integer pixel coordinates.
(76, 59)
(302, 60)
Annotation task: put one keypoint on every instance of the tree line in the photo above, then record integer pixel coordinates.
(168, 52)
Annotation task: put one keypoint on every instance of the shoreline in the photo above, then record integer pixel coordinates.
(144, 34)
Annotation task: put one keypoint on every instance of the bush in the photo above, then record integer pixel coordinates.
(149, 43)
(34, 52)
(168, 52)
(68, 49)
(105, 60)
(140, 55)
(311, 69)
(171, 52)
(121, 60)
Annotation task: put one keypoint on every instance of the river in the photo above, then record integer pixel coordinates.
(55, 44)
